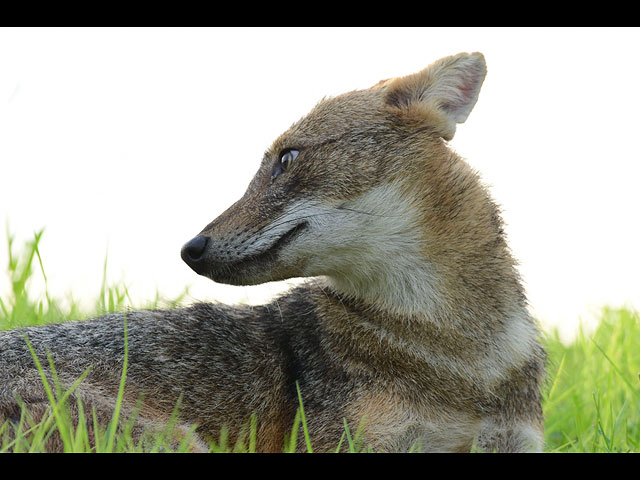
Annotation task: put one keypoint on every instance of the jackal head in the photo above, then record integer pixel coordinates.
(342, 192)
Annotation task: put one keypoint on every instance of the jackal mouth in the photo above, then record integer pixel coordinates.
(279, 244)
(242, 272)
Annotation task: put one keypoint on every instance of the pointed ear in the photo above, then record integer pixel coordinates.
(445, 91)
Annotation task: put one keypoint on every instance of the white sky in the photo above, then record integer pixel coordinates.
(129, 141)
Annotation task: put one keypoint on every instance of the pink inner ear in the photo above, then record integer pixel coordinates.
(463, 96)
(467, 88)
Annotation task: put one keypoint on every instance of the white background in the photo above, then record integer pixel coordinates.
(129, 141)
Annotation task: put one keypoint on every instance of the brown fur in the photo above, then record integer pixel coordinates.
(414, 329)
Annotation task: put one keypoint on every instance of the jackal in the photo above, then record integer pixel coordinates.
(413, 323)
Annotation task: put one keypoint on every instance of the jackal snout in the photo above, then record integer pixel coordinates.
(244, 245)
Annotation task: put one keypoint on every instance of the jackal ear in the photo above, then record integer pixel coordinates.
(445, 92)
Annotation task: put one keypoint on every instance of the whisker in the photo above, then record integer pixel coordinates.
(264, 231)
(273, 225)
(365, 213)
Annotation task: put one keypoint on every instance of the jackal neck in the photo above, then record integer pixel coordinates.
(433, 246)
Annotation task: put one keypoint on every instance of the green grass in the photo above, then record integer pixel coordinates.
(591, 401)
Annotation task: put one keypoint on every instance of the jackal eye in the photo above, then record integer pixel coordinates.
(287, 158)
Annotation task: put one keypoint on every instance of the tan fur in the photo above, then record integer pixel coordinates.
(399, 427)
(413, 325)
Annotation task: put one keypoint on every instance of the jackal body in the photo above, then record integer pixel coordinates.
(413, 325)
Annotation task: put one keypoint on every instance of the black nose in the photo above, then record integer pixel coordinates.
(193, 252)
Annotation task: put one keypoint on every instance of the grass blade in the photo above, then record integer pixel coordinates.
(617, 370)
(304, 421)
